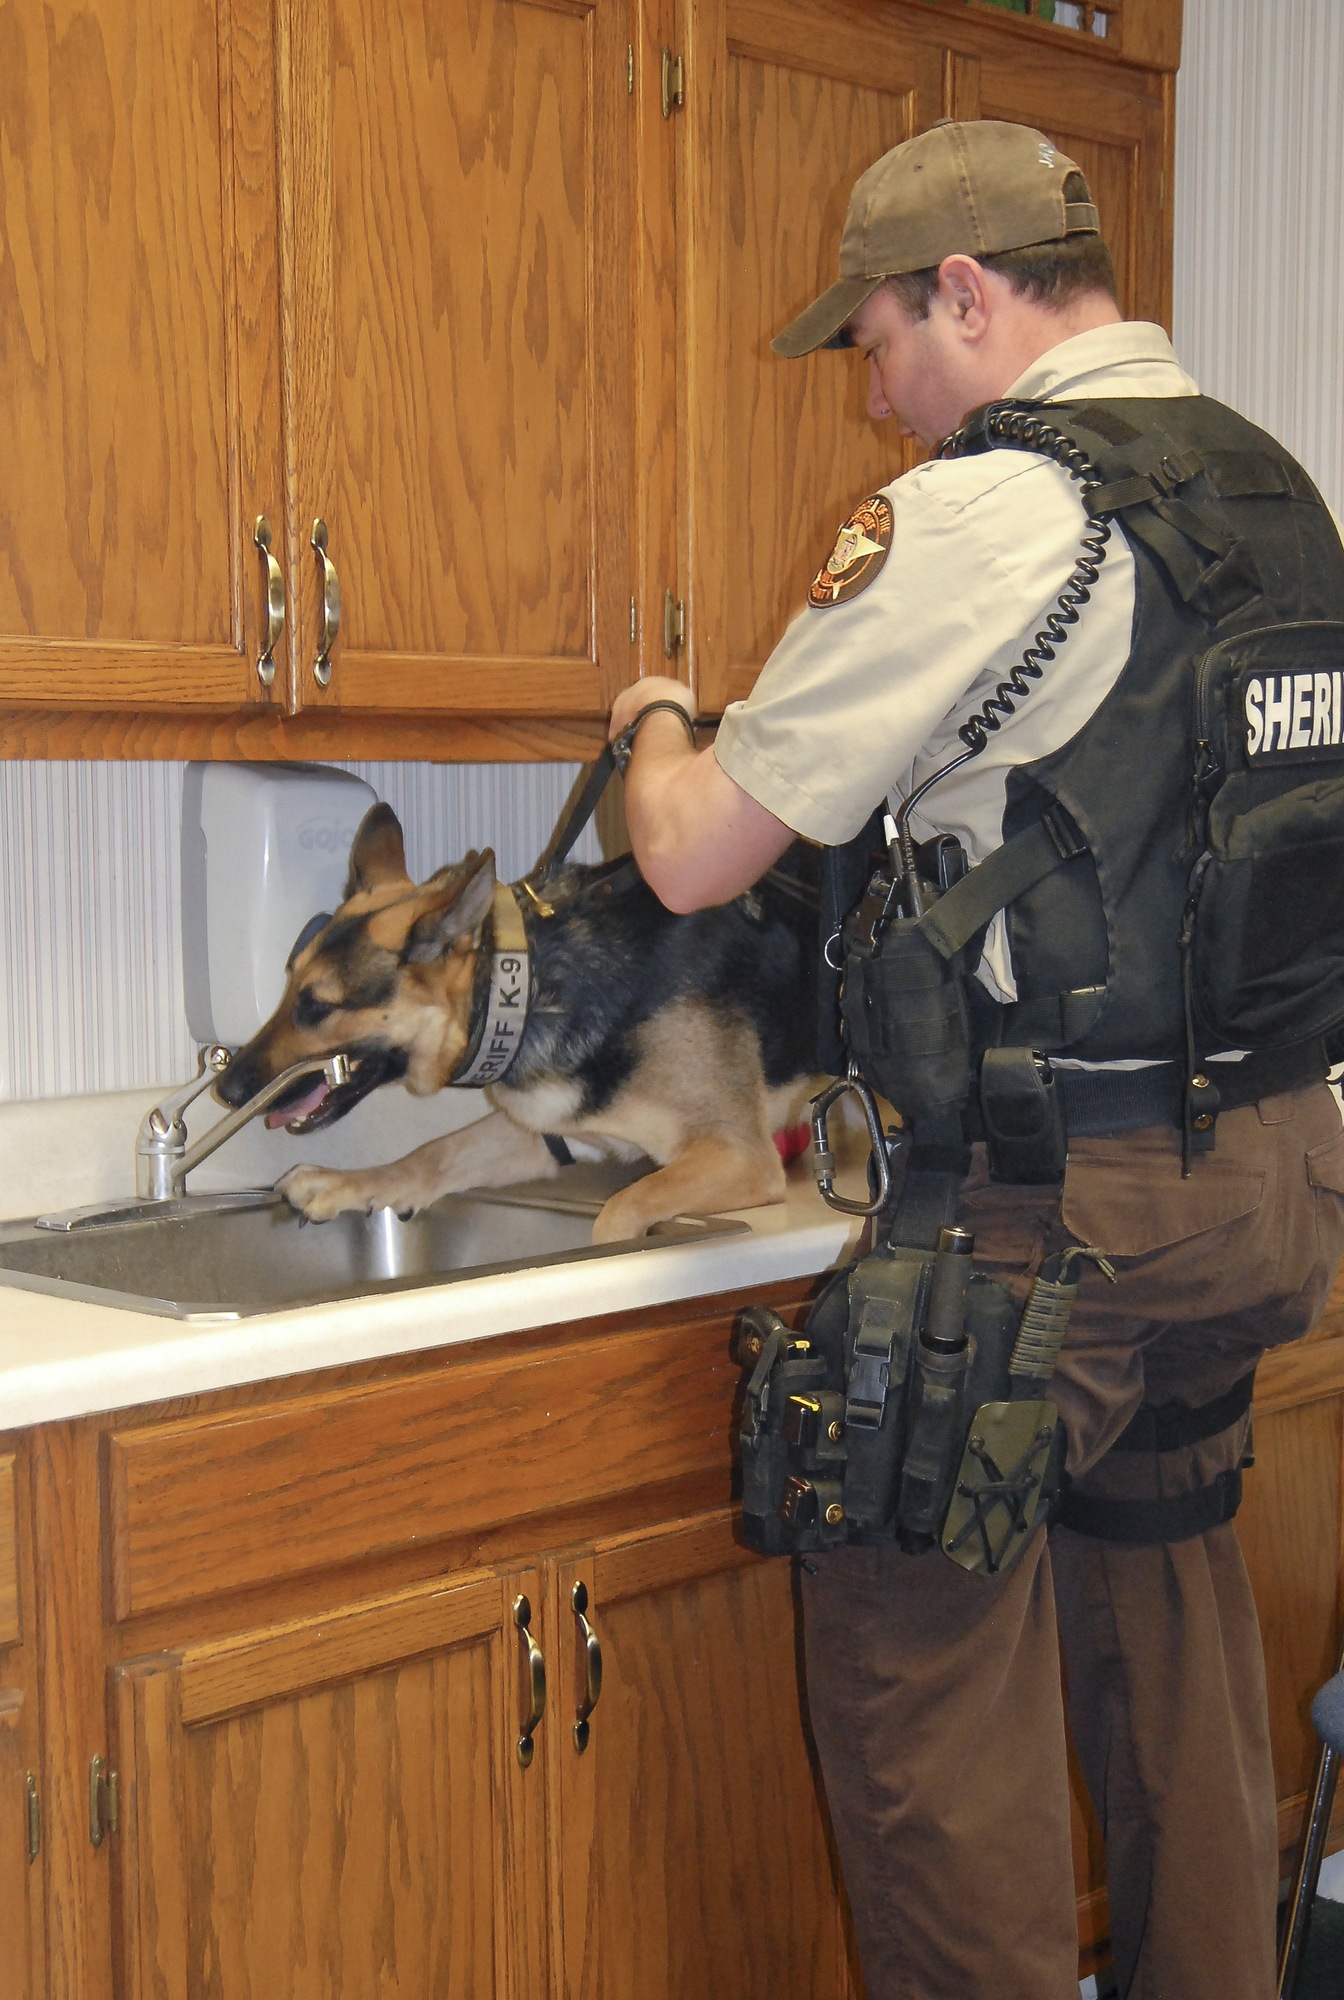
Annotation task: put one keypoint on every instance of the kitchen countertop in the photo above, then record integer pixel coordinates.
(64, 1358)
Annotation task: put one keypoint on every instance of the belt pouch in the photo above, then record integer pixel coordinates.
(937, 1433)
(904, 1009)
(774, 1388)
(887, 1297)
(1023, 1117)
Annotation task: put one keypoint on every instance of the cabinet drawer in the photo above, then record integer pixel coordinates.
(221, 1502)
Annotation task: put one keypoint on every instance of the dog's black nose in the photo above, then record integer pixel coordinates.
(239, 1082)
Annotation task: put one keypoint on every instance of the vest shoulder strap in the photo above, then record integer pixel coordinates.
(1023, 861)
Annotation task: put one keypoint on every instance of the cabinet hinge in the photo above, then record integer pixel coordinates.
(634, 623)
(674, 624)
(674, 82)
(630, 68)
(34, 1820)
(102, 1801)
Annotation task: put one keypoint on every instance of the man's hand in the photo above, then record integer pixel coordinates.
(697, 836)
(632, 701)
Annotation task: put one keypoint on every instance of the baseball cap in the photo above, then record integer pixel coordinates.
(979, 187)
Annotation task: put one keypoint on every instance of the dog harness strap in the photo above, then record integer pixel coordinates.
(504, 1020)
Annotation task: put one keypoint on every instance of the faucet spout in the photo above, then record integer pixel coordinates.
(163, 1158)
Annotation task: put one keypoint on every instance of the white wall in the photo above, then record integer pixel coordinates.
(90, 980)
(1259, 292)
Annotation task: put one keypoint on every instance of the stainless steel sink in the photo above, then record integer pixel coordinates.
(196, 1259)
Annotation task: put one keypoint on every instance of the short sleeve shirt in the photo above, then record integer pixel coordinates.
(862, 698)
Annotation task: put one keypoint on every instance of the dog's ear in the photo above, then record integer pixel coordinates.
(462, 899)
(378, 854)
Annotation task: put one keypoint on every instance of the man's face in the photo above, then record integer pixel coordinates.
(915, 366)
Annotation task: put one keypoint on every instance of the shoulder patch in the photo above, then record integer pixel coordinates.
(859, 553)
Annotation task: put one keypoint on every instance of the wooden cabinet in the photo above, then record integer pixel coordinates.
(286, 1619)
(690, 1849)
(140, 325)
(487, 290)
(21, 1907)
(333, 1806)
(462, 215)
(300, 1623)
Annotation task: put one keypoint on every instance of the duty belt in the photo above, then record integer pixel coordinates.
(1100, 1101)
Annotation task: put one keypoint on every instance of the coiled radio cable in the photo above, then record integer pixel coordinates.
(1002, 423)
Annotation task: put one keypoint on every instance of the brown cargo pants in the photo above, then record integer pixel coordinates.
(935, 1695)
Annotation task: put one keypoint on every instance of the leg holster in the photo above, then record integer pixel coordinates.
(893, 1416)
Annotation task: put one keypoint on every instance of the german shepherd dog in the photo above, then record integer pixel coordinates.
(688, 1039)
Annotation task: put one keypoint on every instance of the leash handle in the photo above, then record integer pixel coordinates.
(604, 769)
(622, 746)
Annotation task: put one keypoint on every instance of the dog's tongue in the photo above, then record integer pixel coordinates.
(301, 1109)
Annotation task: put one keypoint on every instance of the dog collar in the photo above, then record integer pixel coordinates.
(503, 1019)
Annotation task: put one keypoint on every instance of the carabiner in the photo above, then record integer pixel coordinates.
(823, 1159)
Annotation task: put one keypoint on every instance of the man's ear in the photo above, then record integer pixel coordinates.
(461, 903)
(378, 854)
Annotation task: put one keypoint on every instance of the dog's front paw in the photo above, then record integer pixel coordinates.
(318, 1193)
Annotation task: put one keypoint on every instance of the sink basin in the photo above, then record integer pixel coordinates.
(204, 1260)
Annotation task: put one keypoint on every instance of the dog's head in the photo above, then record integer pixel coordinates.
(388, 980)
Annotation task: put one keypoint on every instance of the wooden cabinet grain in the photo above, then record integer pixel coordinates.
(21, 1907)
(332, 1806)
(463, 209)
(690, 1848)
(478, 289)
(140, 327)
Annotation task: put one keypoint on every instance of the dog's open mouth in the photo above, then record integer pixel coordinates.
(313, 1104)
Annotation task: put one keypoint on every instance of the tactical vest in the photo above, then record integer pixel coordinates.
(1203, 800)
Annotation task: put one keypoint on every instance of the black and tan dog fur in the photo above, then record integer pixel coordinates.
(683, 1038)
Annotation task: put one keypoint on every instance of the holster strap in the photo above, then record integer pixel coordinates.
(1146, 1522)
(1171, 1426)
(1023, 861)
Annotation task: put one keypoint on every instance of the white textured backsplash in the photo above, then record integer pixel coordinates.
(91, 982)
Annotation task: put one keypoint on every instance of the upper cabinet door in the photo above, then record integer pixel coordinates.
(789, 101)
(139, 351)
(462, 352)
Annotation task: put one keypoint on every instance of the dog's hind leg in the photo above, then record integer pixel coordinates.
(492, 1152)
(712, 1172)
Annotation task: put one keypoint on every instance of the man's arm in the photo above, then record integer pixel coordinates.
(697, 836)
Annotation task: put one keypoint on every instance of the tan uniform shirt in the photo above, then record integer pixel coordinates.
(861, 700)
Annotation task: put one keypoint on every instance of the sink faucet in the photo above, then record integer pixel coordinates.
(163, 1158)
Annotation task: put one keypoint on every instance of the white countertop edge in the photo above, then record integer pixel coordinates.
(71, 1359)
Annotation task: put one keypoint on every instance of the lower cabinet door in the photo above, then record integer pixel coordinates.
(335, 1808)
(690, 1847)
(20, 1877)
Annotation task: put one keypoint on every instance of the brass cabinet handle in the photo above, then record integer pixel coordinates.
(274, 610)
(331, 603)
(536, 1677)
(592, 1660)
